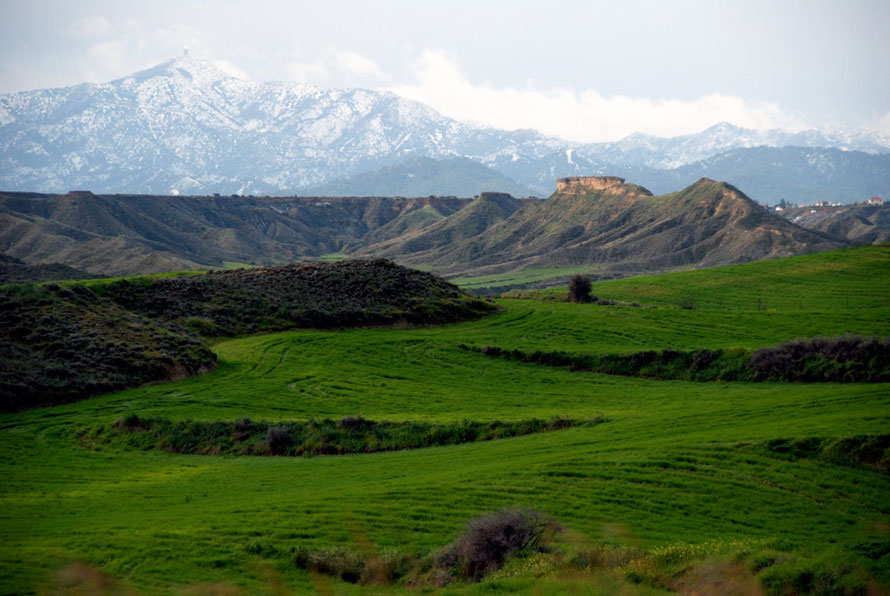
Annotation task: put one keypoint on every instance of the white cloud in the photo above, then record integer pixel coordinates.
(358, 64)
(882, 126)
(584, 115)
(308, 72)
(87, 27)
(105, 57)
(230, 68)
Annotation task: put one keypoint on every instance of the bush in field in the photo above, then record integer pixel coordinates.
(340, 562)
(488, 540)
(279, 439)
(354, 423)
(839, 359)
(579, 289)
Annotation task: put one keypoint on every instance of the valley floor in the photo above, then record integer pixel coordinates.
(677, 463)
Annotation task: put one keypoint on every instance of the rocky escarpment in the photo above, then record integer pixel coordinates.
(586, 183)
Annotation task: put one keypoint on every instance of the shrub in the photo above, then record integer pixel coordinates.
(354, 423)
(489, 540)
(839, 359)
(579, 289)
(279, 439)
(131, 423)
(340, 562)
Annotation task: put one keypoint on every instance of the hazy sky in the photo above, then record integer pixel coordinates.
(582, 70)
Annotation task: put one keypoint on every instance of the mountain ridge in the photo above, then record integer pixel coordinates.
(619, 227)
(623, 228)
(187, 127)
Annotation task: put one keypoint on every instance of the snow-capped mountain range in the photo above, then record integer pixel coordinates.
(188, 127)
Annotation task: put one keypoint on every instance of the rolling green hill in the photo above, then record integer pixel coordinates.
(689, 487)
(63, 343)
(854, 278)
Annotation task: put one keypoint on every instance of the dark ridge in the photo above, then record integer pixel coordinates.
(16, 271)
(320, 295)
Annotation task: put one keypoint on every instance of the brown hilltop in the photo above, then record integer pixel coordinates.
(586, 183)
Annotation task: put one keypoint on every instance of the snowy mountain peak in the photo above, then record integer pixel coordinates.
(186, 68)
(192, 125)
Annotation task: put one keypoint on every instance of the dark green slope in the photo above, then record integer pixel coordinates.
(13, 270)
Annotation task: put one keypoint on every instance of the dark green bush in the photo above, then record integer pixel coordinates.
(579, 289)
(341, 562)
(352, 434)
(279, 439)
(847, 359)
(487, 541)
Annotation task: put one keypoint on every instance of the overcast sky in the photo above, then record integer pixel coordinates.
(581, 70)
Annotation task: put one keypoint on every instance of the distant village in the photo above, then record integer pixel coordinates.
(785, 206)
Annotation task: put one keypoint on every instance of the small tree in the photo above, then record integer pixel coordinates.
(579, 289)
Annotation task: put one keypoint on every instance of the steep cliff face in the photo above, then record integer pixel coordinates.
(577, 184)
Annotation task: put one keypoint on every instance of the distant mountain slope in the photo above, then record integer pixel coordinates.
(185, 126)
(119, 235)
(420, 177)
(15, 271)
(621, 227)
(669, 153)
(769, 174)
(455, 231)
(861, 224)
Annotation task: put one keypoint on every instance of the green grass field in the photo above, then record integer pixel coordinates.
(522, 276)
(677, 467)
(855, 278)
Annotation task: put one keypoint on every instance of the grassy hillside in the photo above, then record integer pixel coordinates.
(684, 488)
(854, 278)
(618, 228)
(63, 343)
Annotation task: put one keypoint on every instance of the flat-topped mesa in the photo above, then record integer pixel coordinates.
(587, 183)
(79, 194)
